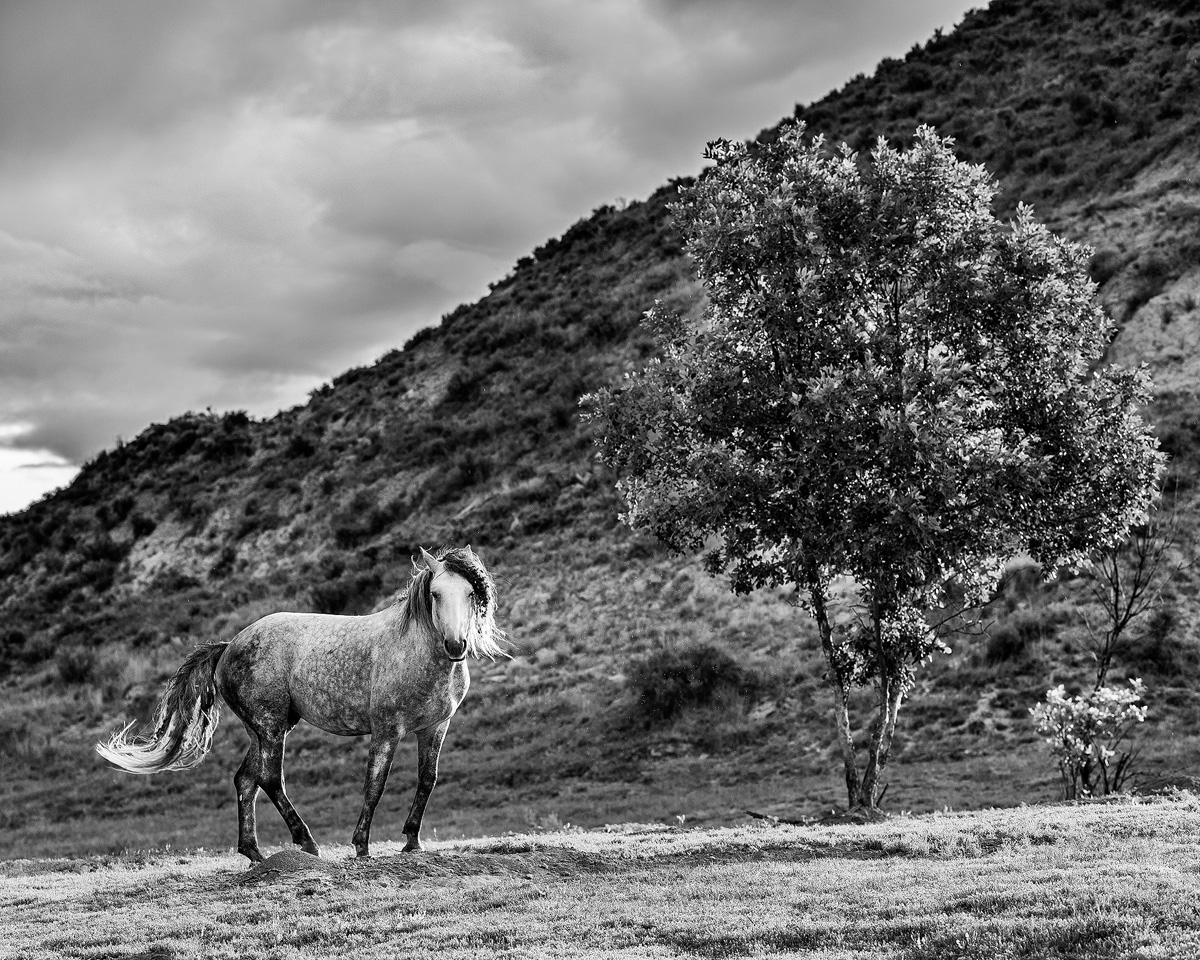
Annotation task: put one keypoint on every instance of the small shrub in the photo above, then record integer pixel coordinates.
(223, 566)
(1021, 585)
(76, 664)
(363, 518)
(299, 446)
(255, 517)
(349, 593)
(1153, 272)
(1104, 264)
(142, 525)
(674, 677)
(1089, 734)
(173, 580)
(469, 468)
(462, 387)
(1016, 638)
(1160, 651)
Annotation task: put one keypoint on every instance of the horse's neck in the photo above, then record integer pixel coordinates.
(406, 636)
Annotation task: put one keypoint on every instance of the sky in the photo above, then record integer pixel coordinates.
(225, 203)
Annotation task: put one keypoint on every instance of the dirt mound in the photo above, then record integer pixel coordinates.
(287, 863)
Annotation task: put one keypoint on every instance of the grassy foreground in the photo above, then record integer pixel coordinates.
(1103, 880)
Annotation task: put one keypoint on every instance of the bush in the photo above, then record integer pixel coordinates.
(142, 525)
(1104, 265)
(223, 566)
(12, 644)
(76, 664)
(1088, 735)
(362, 518)
(1153, 272)
(462, 387)
(1016, 638)
(468, 469)
(674, 677)
(299, 446)
(347, 593)
(1159, 650)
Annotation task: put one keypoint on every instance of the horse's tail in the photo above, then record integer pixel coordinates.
(184, 723)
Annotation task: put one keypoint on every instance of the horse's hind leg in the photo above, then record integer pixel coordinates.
(271, 780)
(429, 748)
(245, 781)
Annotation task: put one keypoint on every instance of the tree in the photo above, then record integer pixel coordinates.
(1090, 733)
(1126, 580)
(887, 384)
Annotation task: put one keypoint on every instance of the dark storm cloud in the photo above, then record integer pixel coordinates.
(223, 203)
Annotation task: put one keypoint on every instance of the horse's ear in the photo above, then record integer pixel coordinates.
(470, 552)
(433, 563)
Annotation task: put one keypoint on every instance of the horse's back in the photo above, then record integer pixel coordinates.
(309, 665)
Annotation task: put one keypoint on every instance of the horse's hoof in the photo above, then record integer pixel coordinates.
(413, 846)
(251, 853)
(362, 853)
(311, 849)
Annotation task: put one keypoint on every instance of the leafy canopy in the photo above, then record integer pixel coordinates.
(886, 383)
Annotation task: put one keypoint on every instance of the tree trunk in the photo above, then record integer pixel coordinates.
(841, 713)
(841, 695)
(891, 691)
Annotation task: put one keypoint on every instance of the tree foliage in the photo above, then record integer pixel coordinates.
(887, 384)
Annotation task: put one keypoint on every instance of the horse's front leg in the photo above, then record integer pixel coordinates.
(429, 748)
(379, 763)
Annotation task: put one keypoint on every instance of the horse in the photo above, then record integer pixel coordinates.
(386, 674)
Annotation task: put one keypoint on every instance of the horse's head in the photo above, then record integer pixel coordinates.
(452, 606)
(462, 601)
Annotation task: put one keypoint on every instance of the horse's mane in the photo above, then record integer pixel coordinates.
(416, 606)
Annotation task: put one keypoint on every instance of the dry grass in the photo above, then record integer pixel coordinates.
(1113, 880)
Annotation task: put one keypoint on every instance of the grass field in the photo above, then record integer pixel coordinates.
(1120, 879)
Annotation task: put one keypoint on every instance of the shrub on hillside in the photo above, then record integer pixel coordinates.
(672, 678)
(467, 469)
(142, 525)
(256, 517)
(1017, 637)
(348, 592)
(75, 663)
(1152, 273)
(362, 518)
(1104, 264)
(1089, 735)
(299, 446)
(12, 643)
(1160, 651)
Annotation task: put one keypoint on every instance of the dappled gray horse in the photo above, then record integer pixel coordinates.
(387, 674)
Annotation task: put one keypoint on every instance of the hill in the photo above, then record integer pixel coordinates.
(470, 433)
(1014, 883)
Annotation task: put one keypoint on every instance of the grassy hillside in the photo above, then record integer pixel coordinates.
(1068, 882)
(470, 433)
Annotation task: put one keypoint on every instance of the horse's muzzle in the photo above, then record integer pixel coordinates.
(456, 650)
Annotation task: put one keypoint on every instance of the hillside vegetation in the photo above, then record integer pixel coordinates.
(470, 433)
(1069, 882)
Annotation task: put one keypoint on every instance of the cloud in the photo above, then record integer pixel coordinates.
(28, 473)
(223, 204)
